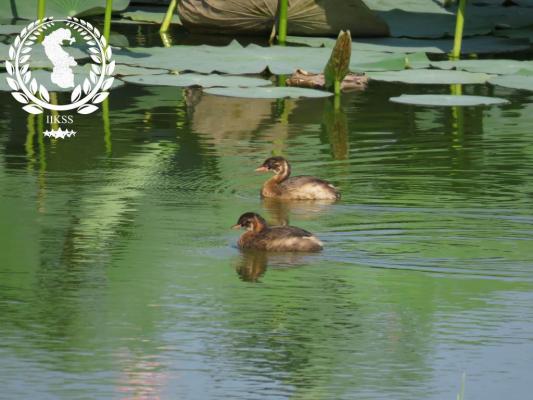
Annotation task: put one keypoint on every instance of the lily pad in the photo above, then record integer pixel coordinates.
(10, 29)
(186, 80)
(149, 14)
(497, 67)
(268, 92)
(429, 77)
(404, 17)
(43, 77)
(524, 33)
(126, 70)
(253, 59)
(446, 100)
(523, 82)
(482, 45)
(25, 9)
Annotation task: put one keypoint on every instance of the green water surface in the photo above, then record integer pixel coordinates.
(119, 275)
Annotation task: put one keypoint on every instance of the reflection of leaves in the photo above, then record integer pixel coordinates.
(335, 129)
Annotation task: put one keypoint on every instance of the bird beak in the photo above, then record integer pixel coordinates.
(262, 168)
(236, 226)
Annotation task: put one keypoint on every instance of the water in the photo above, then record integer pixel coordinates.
(119, 276)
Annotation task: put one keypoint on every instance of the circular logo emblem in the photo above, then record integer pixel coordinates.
(87, 89)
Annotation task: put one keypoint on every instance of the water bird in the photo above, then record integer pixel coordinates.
(260, 236)
(303, 187)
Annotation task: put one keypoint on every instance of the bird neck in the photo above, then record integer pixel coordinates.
(283, 174)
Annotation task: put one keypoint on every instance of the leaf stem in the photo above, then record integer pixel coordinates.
(41, 9)
(168, 16)
(459, 25)
(107, 19)
(283, 15)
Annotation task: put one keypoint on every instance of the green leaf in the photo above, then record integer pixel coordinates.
(268, 92)
(186, 80)
(446, 100)
(339, 61)
(149, 14)
(522, 82)
(429, 77)
(58, 8)
(497, 67)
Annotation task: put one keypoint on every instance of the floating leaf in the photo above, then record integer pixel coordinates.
(446, 100)
(87, 109)
(513, 82)
(498, 67)
(186, 80)
(149, 14)
(25, 9)
(268, 92)
(429, 77)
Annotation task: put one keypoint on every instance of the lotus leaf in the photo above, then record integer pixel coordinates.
(446, 100)
(498, 67)
(523, 82)
(430, 77)
(186, 80)
(43, 77)
(58, 8)
(253, 59)
(149, 14)
(10, 29)
(404, 18)
(126, 70)
(268, 92)
(486, 44)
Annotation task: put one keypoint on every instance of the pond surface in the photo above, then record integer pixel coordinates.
(119, 276)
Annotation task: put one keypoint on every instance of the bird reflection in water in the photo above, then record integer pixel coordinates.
(252, 264)
(279, 210)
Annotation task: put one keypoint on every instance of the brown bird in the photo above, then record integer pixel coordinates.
(297, 188)
(260, 236)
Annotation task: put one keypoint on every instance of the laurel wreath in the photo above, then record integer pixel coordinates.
(102, 65)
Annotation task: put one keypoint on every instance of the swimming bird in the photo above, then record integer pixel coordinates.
(297, 188)
(260, 236)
